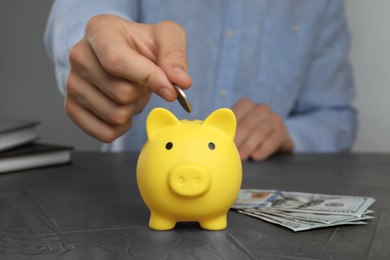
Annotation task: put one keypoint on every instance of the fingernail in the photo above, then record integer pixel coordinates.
(244, 155)
(165, 93)
(179, 70)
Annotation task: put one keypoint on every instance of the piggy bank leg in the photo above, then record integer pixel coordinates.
(159, 222)
(216, 223)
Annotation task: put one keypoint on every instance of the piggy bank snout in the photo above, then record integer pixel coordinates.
(189, 179)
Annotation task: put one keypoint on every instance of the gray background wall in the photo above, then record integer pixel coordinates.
(369, 23)
(27, 83)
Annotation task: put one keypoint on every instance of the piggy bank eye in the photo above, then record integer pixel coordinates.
(169, 145)
(211, 146)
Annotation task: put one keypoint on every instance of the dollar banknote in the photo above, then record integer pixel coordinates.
(303, 211)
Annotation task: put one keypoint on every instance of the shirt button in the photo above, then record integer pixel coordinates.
(230, 34)
(297, 28)
(222, 93)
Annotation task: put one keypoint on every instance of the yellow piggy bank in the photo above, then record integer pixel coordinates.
(189, 170)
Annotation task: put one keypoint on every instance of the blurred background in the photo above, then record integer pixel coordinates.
(28, 88)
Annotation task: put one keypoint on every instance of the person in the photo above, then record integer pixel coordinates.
(282, 66)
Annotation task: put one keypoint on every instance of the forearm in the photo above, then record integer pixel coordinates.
(323, 119)
(65, 27)
(331, 130)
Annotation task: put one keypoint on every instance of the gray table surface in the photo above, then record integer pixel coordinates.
(91, 209)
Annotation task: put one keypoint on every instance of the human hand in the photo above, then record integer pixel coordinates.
(116, 67)
(260, 131)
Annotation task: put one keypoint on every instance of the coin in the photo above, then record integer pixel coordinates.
(183, 100)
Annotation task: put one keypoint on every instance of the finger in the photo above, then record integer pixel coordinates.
(255, 139)
(248, 122)
(278, 141)
(90, 97)
(85, 63)
(267, 148)
(172, 58)
(120, 59)
(91, 124)
(242, 108)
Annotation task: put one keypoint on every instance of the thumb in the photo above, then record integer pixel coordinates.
(171, 42)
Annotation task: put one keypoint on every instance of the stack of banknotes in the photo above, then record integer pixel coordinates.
(303, 211)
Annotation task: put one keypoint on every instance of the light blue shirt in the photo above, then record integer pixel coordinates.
(291, 55)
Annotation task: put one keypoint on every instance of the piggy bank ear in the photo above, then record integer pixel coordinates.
(223, 119)
(158, 119)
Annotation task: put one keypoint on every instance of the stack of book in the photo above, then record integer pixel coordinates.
(20, 151)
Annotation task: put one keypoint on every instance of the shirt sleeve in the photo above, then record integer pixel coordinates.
(323, 119)
(65, 27)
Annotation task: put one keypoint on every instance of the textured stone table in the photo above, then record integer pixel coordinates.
(91, 209)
